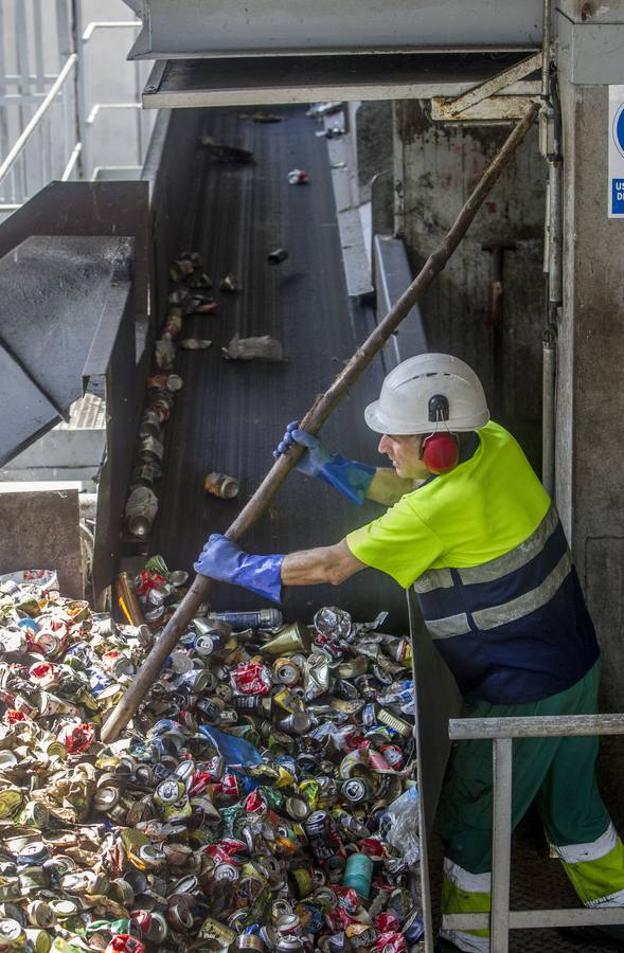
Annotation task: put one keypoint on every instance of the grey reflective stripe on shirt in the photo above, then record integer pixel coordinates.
(522, 605)
(516, 558)
(448, 627)
(434, 579)
(511, 611)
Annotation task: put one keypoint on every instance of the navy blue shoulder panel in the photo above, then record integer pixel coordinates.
(539, 655)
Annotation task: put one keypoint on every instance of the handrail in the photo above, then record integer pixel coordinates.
(107, 25)
(535, 726)
(30, 127)
(501, 732)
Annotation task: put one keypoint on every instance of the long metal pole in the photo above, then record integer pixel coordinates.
(313, 421)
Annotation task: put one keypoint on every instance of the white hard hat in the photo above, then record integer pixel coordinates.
(425, 391)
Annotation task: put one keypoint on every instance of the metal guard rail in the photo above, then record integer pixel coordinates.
(28, 130)
(75, 66)
(501, 732)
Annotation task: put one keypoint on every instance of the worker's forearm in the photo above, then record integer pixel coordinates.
(387, 487)
(326, 564)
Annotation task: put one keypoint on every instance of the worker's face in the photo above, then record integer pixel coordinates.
(405, 454)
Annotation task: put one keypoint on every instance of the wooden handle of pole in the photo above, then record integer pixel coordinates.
(313, 421)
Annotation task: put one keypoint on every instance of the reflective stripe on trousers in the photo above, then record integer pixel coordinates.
(594, 869)
(463, 892)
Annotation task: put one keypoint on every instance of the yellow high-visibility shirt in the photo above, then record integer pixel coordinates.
(482, 509)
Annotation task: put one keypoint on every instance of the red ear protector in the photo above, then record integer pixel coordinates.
(440, 450)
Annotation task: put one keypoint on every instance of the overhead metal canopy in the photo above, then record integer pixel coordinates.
(59, 316)
(200, 28)
(268, 80)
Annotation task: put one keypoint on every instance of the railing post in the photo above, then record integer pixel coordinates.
(501, 844)
(81, 92)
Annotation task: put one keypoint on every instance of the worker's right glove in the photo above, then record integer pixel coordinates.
(223, 560)
(349, 477)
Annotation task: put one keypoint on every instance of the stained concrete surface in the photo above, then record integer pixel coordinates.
(39, 530)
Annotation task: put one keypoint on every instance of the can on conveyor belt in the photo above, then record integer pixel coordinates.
(221, 485)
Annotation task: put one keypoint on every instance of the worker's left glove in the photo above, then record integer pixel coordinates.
(349, 477)
(223, 560)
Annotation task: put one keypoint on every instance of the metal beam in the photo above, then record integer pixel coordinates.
(484, 95)
(202, 28)
(273, 79)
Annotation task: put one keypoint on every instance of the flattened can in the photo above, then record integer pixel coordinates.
(40, 914)
(212, 929)
(12, 936)
(303, 881)
(401, 727)
(276, 256)
(286, 671)
(221, 485)
(250, 941)
(39, 940)
(356, 790)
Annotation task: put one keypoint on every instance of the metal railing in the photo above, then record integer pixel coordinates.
(16, 153)
(89, 110)
(48, 120)
(502, 731)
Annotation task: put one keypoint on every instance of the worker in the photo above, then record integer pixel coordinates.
(472, 529)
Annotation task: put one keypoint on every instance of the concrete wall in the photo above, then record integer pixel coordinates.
(373, 143)
(436, 167)
(590, 399)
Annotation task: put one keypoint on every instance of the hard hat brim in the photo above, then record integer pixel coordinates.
(376, 421)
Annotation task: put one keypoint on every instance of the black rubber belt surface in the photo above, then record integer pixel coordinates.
(230, 415)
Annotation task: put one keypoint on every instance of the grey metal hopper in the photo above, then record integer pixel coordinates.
(59, 315)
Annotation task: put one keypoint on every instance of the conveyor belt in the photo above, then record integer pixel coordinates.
(230, 415)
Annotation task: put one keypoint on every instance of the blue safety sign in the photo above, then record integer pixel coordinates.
(616, 152)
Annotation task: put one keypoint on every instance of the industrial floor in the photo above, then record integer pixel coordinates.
(230, 415)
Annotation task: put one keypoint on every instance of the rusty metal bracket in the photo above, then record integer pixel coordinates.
(502, 98)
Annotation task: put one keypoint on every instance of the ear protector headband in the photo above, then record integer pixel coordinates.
(440, 450)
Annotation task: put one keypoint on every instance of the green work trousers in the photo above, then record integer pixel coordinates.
(559, 775)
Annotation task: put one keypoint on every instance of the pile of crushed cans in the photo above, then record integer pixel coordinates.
(263, 798)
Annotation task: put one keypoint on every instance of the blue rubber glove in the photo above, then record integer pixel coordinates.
(349, 477)
(223, 560)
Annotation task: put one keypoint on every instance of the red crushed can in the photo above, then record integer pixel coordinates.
(390, 943)
(251, 678)
(79, 739)
(124, 943)
(254, 803)
(393, 755)
(386, 923)
(200, 781)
